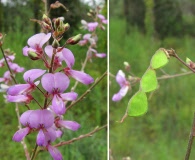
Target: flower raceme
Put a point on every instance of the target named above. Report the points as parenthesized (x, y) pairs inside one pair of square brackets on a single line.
[(47, 121), (124, 84)]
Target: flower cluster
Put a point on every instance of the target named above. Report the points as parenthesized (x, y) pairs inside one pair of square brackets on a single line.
[(6, 80), (52, 82), (91, 38)]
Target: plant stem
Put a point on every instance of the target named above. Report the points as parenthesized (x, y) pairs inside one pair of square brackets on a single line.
[(174, 54), (34, 152), (81, 136), (191, 138)]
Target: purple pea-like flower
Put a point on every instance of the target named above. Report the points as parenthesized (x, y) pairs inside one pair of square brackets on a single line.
[(21, 92), (92, 52), (124, 84), (36, 43), (6, 77), (24, 120), (42, 120), (55, 84), (91, 26), (102, 18)]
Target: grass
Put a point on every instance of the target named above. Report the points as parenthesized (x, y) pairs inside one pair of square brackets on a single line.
[(90, 113), (163, 132)]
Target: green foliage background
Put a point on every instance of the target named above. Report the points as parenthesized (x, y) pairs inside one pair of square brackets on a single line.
[(163, 132), (90, 113)]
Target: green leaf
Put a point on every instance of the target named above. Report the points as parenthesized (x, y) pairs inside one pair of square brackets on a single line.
[(149, 81), (138, 104), (159, 59)]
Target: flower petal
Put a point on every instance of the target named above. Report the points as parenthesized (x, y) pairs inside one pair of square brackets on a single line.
[(117, 97), (100, 55), (54, 152), (20, 134), (55, 81), (18, 89), (120, 78), (41, 139), (41, 118), (24, 118), (58, 105), (30, 75), (72, 125), (49, 51), (38, 40), (71, 96), (19, 98), (81, 77), (68, 57)]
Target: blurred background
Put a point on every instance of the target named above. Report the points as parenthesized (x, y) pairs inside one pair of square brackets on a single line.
[(137, 29), (15, 22)]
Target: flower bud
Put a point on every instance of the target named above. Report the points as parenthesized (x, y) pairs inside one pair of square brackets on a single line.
[(57, 23), (74, 40), (127, 66), (33, 55), (46, 26), (190, 63), (66, 27), (55, 44), (46, 19)]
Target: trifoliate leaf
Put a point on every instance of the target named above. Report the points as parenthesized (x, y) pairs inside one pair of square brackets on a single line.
[(149, 81), (138, 104), (159, 59)]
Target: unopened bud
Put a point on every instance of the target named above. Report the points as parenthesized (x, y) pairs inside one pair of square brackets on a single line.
[(55, 44), (46, 19), (74, 40), (190, 63), (66, 27), (57, 23), (89, 14), (46, 26), (33, 55), (127, 66)]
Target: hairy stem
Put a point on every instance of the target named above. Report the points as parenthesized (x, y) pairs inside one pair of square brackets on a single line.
[(81, 136), (191, 138)]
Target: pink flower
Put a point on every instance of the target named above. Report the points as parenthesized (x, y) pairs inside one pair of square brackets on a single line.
[(92, 52), (6, 78), (36, 43), (124, 84), (55, 84), (91, 26), (102, 18), (21, 92)]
